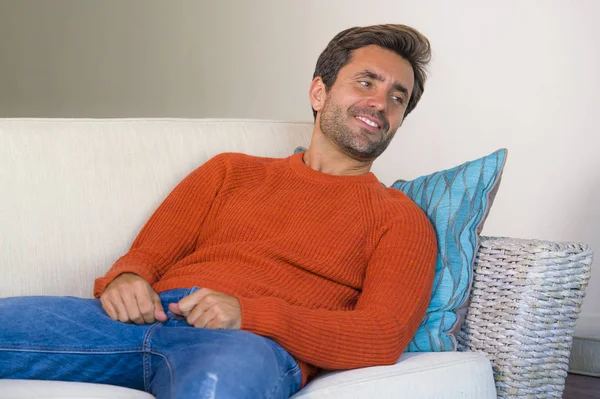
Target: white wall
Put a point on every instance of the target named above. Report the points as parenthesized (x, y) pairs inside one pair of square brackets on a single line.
[(517, 74)]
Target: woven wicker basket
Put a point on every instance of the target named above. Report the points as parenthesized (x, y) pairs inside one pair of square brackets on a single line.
[(525, 299)]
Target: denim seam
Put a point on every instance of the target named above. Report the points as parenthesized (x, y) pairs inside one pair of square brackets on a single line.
[(147, 355), (169, 366), (147, 360), (281, 377), (73, 351)]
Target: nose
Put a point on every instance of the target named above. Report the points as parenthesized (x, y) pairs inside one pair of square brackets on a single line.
[(378, 100)]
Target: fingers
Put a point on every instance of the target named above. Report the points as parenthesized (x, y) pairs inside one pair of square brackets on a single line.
[(201, 315), (187, 304), (113, 305), (145, 306), (173, 307), (108, 308), (215, 318), (218, 323), (131, 299), (159, 313), (120, 308), (206, 308)]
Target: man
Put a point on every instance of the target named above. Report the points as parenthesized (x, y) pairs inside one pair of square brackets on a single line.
[(254, 272)]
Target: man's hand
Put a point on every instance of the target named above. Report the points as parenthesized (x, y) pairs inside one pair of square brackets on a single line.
[(206, 308), (129, 298)]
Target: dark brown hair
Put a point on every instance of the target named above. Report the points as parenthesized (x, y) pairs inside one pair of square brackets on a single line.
[(403, 40)]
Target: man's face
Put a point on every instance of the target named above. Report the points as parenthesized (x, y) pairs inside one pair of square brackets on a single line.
[(366, 104)]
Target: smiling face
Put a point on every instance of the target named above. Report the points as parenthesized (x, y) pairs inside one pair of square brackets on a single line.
[(365, 106)]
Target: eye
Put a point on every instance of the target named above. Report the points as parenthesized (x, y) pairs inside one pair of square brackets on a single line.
[(365, 83), (398, 100)]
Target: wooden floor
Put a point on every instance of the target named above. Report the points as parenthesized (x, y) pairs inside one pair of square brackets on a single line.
[(582, 387)]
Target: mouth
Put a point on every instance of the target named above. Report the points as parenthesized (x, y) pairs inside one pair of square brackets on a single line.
[(369, 123)]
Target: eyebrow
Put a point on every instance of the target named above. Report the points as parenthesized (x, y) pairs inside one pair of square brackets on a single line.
[(375, 76)]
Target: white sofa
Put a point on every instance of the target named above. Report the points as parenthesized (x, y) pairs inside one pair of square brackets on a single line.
[(75, 192)]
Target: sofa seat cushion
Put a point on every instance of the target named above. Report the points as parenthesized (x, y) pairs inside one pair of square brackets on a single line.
[(416, 375), (21, 389)]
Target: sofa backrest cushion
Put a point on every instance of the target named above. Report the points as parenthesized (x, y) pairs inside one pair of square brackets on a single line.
[(74, 193)]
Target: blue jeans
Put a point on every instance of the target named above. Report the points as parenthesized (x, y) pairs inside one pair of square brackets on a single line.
[(72, 339)]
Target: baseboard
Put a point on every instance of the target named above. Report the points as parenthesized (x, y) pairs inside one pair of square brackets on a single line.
[(585, 353)]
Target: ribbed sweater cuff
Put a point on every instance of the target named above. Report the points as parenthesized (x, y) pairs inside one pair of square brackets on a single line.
[(126, 264), (261, 316)]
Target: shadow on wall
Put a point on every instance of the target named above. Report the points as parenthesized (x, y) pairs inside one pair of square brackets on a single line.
[(584, 226)]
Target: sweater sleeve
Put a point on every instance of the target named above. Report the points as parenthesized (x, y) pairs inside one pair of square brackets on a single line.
[(396, 293), (171, 232)]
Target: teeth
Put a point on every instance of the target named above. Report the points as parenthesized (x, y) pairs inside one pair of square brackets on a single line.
[(367, 121)]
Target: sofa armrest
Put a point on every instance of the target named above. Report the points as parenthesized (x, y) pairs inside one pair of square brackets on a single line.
[(525, 299)]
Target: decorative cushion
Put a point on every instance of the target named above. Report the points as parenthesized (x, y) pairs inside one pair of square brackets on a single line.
[(457, 201)]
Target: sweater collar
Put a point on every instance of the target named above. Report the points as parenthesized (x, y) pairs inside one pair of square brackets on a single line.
[(298, 166)]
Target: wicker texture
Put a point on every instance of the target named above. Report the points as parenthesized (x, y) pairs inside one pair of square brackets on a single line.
[(526, 297)]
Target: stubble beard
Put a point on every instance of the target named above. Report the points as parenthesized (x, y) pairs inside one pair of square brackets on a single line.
[(357, 143)]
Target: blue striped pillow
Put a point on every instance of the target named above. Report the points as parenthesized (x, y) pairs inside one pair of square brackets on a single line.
[(457, 202)]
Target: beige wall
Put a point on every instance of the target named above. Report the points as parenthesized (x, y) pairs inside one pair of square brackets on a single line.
[(516, 74)]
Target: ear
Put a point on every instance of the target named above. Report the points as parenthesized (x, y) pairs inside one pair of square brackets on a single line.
[(317, 93)]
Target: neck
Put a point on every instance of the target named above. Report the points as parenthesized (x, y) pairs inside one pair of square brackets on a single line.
[(325, 156)]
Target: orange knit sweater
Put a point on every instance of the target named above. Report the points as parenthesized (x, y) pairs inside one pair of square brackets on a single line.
[(336, 269)]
